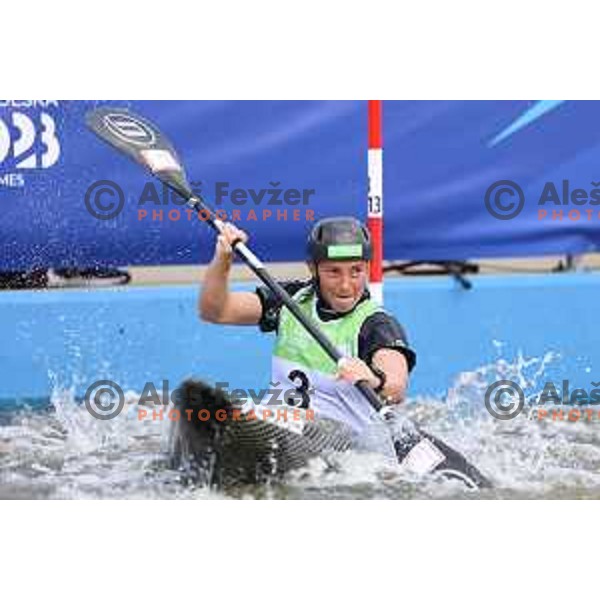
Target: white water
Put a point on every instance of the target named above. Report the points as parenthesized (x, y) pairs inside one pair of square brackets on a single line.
[(65, 453)]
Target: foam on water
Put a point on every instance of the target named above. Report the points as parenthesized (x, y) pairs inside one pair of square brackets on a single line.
[(63, 452)]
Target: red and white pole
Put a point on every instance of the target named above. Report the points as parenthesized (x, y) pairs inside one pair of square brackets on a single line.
[(375, 220)]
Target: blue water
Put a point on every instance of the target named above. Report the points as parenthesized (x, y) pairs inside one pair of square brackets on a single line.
[(526, 328), (62, 452)]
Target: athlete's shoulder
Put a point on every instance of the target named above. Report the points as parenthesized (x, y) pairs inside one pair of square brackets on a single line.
[(380, 330), (271, 304)]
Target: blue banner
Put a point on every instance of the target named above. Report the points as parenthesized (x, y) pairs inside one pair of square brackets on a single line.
[(461, 179)]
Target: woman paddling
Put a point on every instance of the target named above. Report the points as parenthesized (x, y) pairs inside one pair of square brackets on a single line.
[(337, 298)]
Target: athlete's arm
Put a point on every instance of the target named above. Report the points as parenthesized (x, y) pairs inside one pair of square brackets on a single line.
[(394, 366), (216, 304), (382, 346), (387, 366)]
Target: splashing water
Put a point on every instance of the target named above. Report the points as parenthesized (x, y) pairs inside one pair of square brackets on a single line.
[(62, 452)]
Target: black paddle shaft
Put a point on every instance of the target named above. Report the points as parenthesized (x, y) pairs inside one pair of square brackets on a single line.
[(142, 141), (257, 267)]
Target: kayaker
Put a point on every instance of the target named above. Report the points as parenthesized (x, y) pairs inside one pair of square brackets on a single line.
[(336, 297)]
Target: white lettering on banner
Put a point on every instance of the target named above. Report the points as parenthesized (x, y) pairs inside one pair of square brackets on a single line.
[(23, 142), (28, 103), (12, 180), (50, 141), (4, 141), (26, 139)]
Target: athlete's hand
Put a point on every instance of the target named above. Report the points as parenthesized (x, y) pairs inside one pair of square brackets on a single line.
[(228, 235), (354, 369)]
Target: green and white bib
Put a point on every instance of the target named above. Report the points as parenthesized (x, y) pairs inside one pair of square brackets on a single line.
[(300, 362)]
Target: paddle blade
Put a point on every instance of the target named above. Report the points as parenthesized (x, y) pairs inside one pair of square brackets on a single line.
[(142, 141)]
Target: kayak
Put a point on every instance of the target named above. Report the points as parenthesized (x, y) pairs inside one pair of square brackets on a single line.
[(230, 448), (219, 443)]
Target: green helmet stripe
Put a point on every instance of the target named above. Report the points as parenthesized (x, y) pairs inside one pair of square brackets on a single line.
[(345, 251)]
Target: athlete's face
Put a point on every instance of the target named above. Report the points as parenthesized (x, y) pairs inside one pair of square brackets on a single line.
[(342, 283)]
